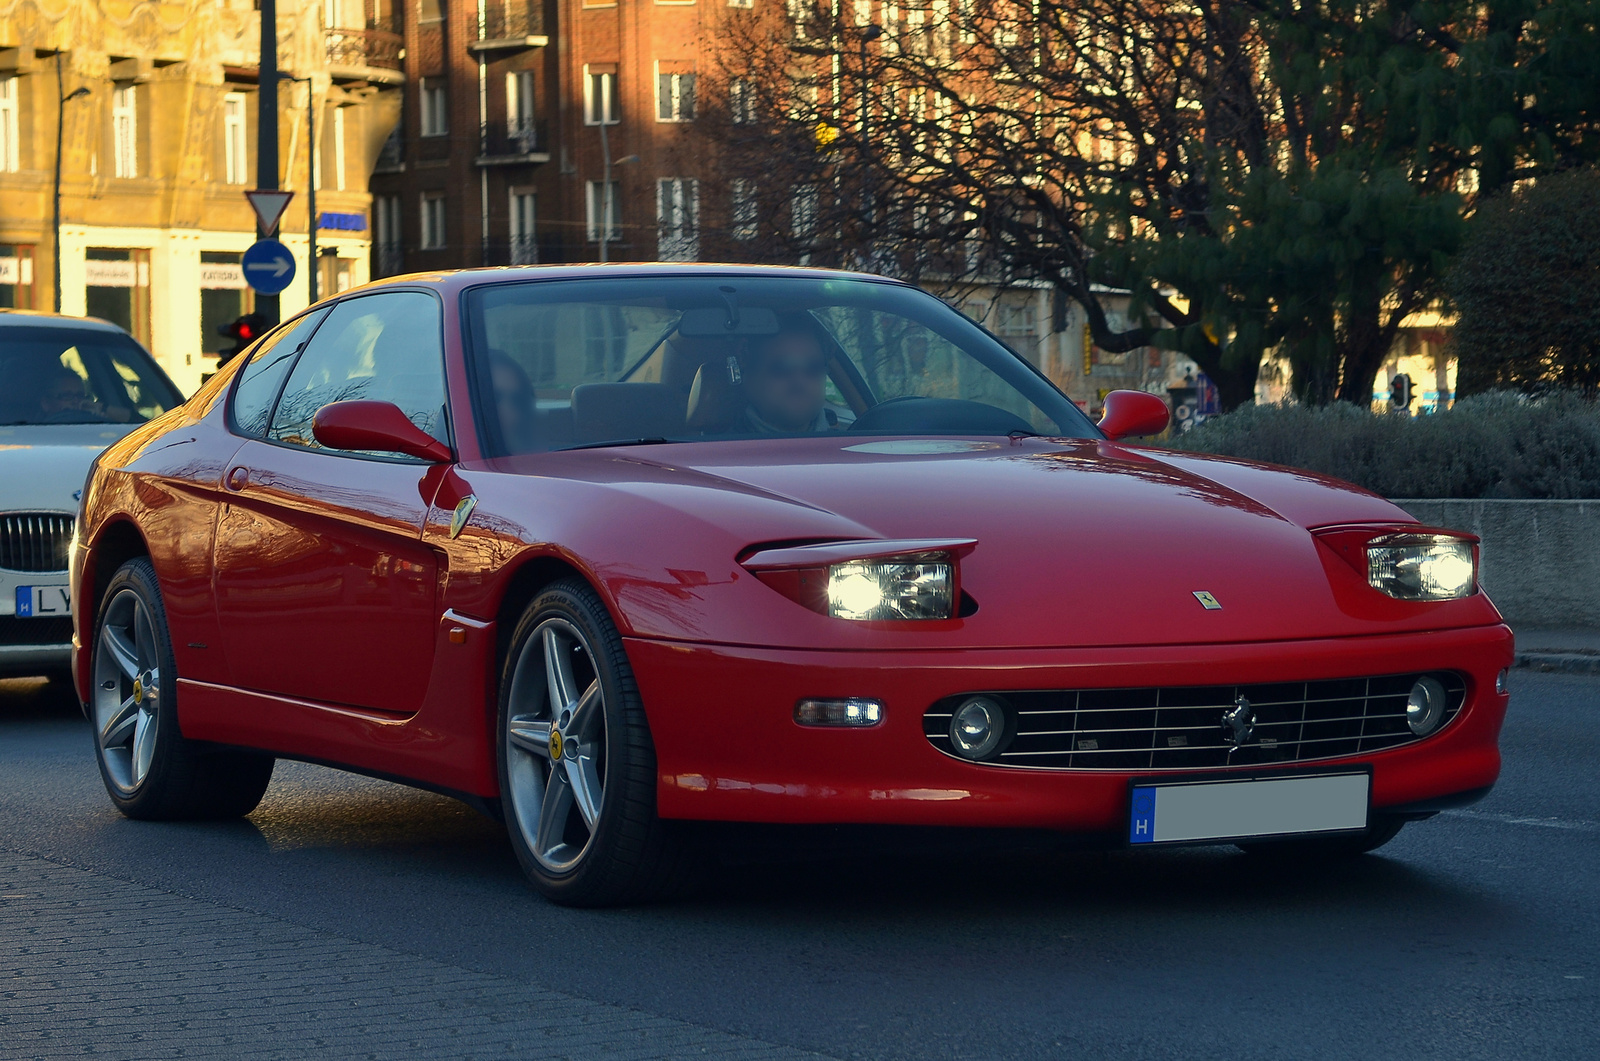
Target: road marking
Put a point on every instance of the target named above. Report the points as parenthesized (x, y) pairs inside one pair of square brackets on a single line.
[(1512, 819)]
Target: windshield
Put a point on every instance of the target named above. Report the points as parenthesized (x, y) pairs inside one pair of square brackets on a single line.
[(569, 363), (73, 375)]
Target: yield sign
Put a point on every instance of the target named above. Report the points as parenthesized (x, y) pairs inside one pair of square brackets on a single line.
[(269, 207)]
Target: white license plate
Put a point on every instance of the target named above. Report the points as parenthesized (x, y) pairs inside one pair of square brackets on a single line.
[(42, 602), (1202, 810)]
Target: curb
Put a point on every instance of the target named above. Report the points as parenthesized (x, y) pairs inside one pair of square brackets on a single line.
[(1561, 662)]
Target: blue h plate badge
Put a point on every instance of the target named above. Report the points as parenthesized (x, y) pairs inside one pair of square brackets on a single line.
[(1142, 822), (24, 602)]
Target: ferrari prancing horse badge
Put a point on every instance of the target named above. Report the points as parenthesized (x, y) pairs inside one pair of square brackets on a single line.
[(463, 512)]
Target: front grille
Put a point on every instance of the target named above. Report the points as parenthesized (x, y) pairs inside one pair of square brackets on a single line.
[(55, 631), (1182, 728), (34, 541)]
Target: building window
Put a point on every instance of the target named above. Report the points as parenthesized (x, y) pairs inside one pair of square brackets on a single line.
[(10, 138), (741, 3), (596, 210), (386, 218), (435, 116), (16, 277), (236, 159), (117, 288), (519, 102), (678, 219), (430, 10), (674, 95), (224, 297), (800, 14), (744, 208), (125, 131), (523, 249), (432, 222), (600, 96), (741, 101), (338, 148)]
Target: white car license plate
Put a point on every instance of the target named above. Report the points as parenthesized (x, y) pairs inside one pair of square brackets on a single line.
[(40, 602), (1204, 810)]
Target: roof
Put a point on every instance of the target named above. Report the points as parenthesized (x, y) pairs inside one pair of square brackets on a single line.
[(461, 278), (33, 318)]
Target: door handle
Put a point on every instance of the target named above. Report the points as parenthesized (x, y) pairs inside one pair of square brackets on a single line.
[(238, 478)]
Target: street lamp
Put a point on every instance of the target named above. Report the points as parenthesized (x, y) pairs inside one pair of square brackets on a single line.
[(61, 117), (311, 184)]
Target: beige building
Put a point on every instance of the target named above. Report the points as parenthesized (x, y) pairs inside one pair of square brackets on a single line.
[(159, 146)]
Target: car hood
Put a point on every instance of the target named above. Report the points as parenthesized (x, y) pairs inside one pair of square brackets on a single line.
[(1079, 542), (42, 467)]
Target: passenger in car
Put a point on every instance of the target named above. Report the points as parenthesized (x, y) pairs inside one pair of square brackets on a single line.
[(513, 398), (784, 382)]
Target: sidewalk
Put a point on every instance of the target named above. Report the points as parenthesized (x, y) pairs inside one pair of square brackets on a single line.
[(1573, 650)]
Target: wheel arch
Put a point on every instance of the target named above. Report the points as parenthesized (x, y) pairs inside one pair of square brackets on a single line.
[(119, 541)]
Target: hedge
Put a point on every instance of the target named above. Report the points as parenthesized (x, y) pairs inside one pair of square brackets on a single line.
[(1498, 444)]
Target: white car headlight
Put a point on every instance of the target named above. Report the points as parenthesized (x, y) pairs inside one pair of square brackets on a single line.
[(1425, 567), (899, 588)]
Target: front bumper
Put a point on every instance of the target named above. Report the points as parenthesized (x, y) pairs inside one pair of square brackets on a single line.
[(728, 748), (34, 659)]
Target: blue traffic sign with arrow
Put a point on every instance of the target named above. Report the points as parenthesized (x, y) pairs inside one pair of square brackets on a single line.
[(268, 266)]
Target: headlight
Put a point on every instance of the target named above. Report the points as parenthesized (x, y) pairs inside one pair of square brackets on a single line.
[(910, 588), (1422, 567)]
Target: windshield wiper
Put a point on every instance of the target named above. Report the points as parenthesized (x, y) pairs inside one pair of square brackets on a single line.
[(654, 441)]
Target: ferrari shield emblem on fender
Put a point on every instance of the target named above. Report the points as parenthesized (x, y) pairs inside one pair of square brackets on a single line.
[(1207, 601), (463, 512)]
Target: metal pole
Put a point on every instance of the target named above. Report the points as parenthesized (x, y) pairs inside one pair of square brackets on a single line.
[(605, 189), (311, 189), (61, 117), (267, 130)]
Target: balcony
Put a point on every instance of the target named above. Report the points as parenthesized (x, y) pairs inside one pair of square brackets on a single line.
[(365, 55), (369, 49), (513, 144), (510, 25)]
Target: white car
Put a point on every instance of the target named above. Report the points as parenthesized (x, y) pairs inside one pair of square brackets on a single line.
[(69, 387)]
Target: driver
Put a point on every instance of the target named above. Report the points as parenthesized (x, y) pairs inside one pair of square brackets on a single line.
[(784, 382)]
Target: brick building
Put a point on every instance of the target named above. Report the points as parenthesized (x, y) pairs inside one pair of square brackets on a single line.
[(511, 109)]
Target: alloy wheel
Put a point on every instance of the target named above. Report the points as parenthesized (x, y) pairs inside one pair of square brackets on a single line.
[(127, 690), (555, 745)]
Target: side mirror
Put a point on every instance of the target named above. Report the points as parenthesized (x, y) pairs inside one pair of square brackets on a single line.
[(1132, 413), (378, 426)]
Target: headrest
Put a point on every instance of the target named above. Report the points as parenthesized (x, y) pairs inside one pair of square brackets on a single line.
[(602, 412)]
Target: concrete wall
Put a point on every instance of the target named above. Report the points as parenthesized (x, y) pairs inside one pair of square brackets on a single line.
[(1540, 559)]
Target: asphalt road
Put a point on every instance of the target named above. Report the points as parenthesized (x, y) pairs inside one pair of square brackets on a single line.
[(351, 917)]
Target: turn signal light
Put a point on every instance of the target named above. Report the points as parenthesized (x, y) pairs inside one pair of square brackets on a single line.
[(850, 712)]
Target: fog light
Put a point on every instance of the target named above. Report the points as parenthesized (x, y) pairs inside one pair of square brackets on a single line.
[(1425, 706), (851, 712), (977, 727)]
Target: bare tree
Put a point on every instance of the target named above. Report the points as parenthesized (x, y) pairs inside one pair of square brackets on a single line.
[(1259, 175)]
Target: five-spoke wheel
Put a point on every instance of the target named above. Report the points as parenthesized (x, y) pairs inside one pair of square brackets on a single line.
[(577, 767), (150, 769), (127, 690), (556, 744)]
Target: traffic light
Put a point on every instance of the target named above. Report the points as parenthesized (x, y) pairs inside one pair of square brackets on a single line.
[(243, 331), (1400, 392)]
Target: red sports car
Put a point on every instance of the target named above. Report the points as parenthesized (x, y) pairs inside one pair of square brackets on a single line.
[(599, 549)]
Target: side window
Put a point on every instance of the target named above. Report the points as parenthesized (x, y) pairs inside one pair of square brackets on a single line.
[(261, 379), (383, 347)]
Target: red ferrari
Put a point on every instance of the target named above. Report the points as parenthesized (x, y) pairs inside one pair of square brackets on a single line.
[(602, 549)]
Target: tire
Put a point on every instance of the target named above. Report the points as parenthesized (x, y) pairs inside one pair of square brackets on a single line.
[(578, 783), (151, 771), (1380, 832)]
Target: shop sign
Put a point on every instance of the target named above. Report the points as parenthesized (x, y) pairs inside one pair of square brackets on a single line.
[(222, 276), (115, 274)]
